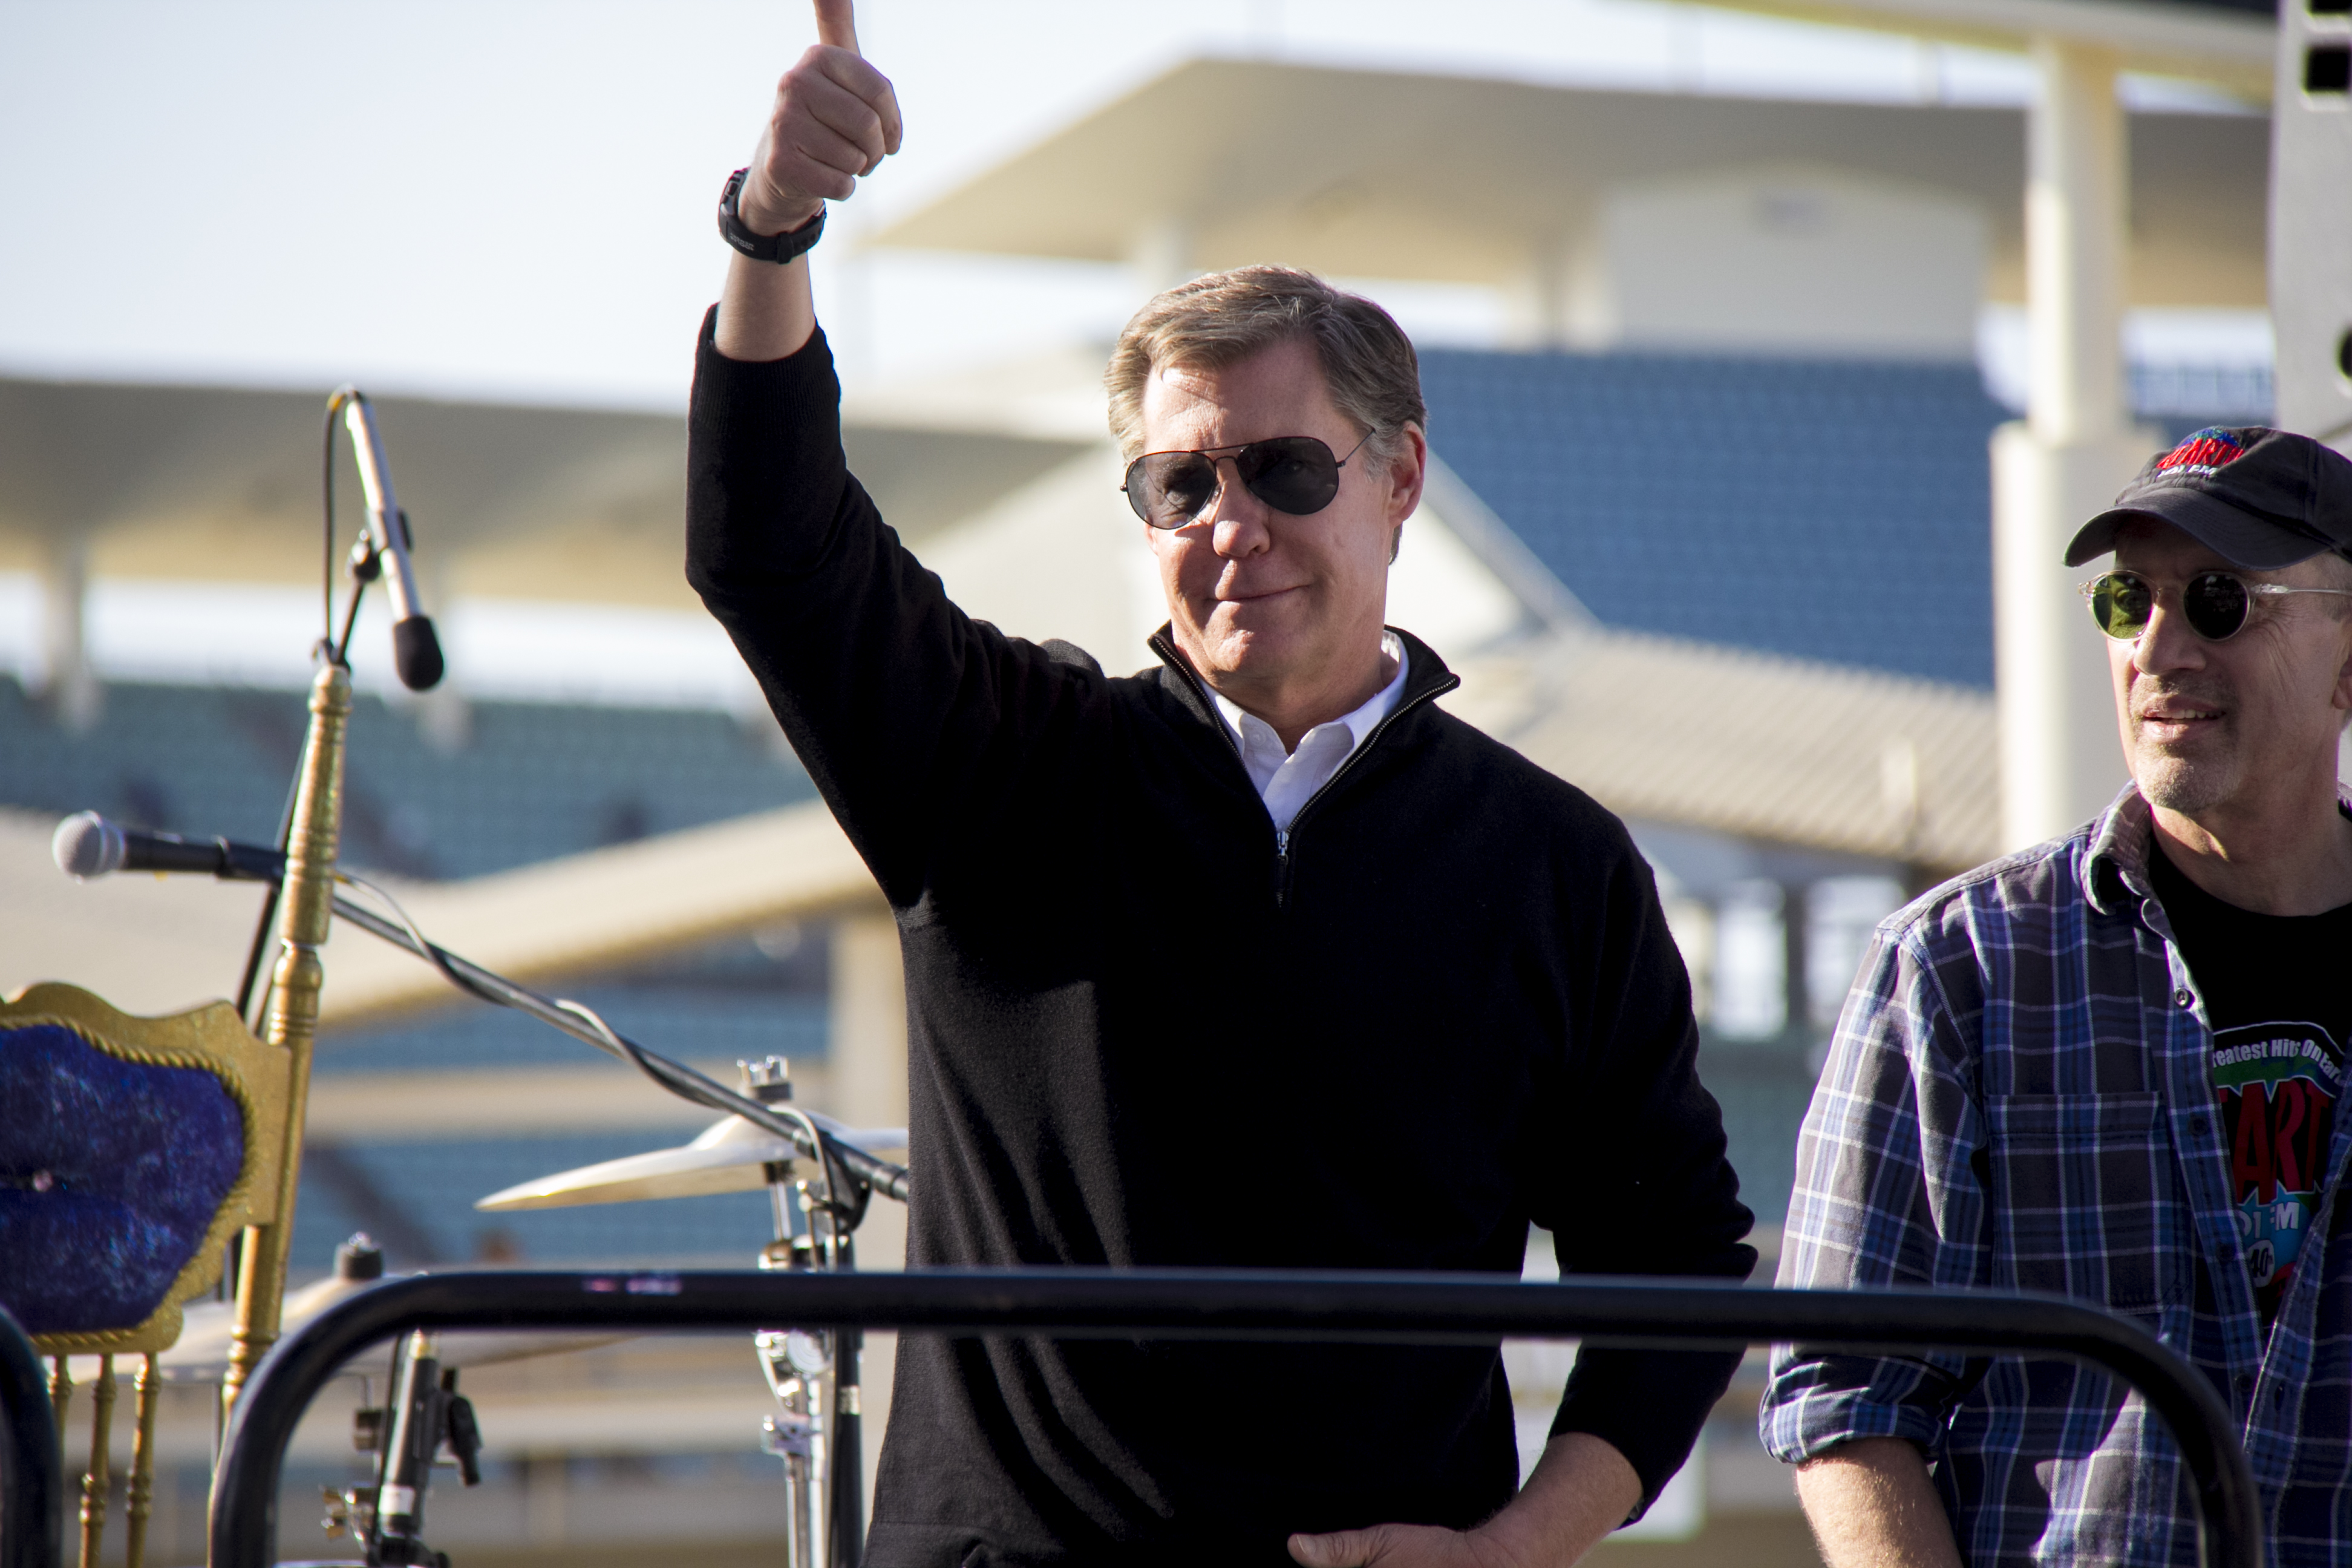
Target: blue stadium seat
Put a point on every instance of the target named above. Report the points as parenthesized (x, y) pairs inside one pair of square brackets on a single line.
[(1833, 509), (1790, 506), (533, 781)]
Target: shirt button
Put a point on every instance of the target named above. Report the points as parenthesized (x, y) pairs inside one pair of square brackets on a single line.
[(2183, 998), (2198, 1126), (2245, 1382)]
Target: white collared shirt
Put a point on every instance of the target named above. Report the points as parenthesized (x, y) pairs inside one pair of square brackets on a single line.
[(1287, 782)]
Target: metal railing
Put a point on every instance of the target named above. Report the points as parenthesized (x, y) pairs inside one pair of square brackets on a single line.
[(1071, 1303), (32, 1516)]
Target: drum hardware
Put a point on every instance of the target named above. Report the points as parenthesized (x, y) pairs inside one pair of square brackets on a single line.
[(367, 1429), (202, 1354), (424, 1403), (812, 1374), (426, 1414), (423, 1418), (730, 1156), (351, 1511)]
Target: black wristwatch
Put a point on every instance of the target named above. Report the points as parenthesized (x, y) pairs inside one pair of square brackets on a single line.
[(776, 248)]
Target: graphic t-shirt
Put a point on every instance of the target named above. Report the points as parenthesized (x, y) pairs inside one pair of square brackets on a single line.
[(2278, 992)]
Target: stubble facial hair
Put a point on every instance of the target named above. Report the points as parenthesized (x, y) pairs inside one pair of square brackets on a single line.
[(2187, 784)]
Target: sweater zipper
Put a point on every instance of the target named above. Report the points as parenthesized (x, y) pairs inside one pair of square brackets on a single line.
[(1282, 835)]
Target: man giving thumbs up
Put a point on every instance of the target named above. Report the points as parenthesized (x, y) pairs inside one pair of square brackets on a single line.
[(1428, 983)]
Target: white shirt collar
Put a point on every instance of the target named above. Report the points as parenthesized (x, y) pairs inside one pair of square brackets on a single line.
[(1287, 781)]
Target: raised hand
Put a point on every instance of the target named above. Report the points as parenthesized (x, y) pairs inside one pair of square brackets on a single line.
[(836, 118)]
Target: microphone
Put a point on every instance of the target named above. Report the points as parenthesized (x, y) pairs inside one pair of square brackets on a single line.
[(87, 845), (415, 650)]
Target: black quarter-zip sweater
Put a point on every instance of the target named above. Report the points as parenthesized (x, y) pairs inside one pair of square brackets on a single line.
[(1141, 1036)]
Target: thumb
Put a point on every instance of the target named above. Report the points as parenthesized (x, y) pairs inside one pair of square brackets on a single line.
[(1340, 1549), (836, 24)]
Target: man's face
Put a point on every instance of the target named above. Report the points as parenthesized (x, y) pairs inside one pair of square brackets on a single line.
[(1264, 601), (2208, 726)]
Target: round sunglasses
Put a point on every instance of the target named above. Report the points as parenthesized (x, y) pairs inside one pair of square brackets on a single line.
[(2214, 604), (1294, 474)]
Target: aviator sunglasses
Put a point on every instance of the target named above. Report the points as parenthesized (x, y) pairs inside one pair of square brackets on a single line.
[(2214, 604), (1294, 474)]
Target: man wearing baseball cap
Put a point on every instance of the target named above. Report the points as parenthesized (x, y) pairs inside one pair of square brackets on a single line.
[(2108, 1066)]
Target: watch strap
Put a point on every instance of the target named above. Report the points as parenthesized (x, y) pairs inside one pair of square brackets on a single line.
[(776, 248)]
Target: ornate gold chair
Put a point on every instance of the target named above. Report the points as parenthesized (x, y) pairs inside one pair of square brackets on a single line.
[(132, 1150)]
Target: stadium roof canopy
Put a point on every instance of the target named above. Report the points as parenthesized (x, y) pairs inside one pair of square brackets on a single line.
[(2230, 42), (222, 484), (1408, 176)]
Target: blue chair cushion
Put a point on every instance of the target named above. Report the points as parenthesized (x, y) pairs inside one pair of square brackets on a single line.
[(111, 1173)]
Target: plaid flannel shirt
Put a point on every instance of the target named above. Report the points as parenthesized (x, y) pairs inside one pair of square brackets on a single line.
[(2018, 1097)]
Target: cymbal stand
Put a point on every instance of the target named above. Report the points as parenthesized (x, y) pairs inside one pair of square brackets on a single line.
[(423, 1414), (813, 1373)]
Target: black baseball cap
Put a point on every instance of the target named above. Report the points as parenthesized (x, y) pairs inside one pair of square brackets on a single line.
[(2261, 498)]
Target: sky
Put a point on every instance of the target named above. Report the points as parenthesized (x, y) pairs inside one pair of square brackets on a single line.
[(512, 199)]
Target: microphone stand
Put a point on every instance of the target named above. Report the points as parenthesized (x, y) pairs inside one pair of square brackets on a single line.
[(581, 1023), (290, 1015), (301, 904)]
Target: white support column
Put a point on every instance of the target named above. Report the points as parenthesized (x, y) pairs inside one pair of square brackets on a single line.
[(2311, 228), (869, 1023), (1159, 256), (2076, 183), (869, 1089), (445, 716), (2061, 758), (1537, 310), (69, 685)]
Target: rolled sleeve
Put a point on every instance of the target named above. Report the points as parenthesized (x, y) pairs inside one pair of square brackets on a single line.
[(1816, 1402), (1887, 1193)]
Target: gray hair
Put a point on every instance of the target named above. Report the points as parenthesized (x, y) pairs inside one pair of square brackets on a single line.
[(1223, 318)]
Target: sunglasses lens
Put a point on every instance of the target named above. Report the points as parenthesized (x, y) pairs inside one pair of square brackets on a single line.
[(1295, 474), (1169, 489), (2214, 606), (2121, 603)]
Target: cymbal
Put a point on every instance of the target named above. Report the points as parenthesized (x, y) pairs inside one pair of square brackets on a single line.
[(727, 1157), (201, 1354)]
